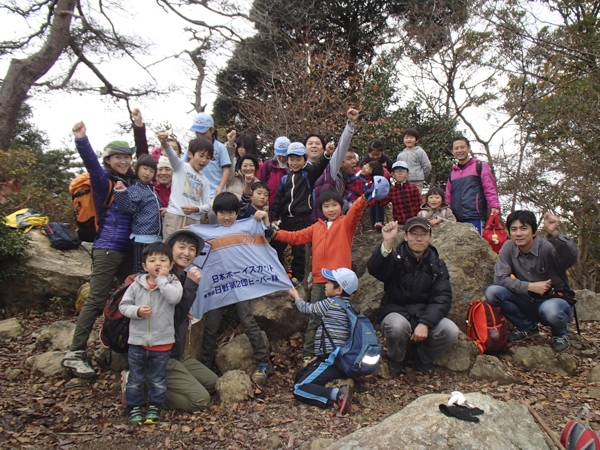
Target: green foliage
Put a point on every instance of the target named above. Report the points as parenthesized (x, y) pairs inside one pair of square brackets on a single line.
[(13, 247)]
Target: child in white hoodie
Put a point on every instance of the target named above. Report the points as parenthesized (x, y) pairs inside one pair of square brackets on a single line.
[(435, 209)]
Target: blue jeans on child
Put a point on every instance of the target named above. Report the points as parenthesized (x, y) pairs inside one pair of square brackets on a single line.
[(146, 366), (376, 214), (525, 312)]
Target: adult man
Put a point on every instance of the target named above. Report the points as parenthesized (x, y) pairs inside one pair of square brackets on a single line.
[(471, 188), (530, 279), (417, 295)]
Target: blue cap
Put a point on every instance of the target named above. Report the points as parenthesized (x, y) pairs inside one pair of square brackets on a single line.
[(344, 277), (281, 145), (202, 123), (400, 165), (296, 148), (381, 187)]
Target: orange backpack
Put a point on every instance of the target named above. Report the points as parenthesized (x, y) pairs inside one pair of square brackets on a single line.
[(486, 326), (87, 216)]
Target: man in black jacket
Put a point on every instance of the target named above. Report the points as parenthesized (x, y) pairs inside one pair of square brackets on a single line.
[(417, 295)]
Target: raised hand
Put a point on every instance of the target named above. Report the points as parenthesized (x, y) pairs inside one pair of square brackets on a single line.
[(136, 115), (231, 136), (352, 115), (389, 233), (195, 275), (162, 138), (79, 130), (551, 223), (120, 186)]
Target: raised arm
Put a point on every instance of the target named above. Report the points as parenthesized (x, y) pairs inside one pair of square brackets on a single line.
[(176, 163), (344, 144), (139, 133)]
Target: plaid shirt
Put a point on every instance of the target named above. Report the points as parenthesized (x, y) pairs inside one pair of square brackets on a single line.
[(406, 200)]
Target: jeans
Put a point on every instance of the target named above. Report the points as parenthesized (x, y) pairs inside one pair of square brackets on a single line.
[(477, 223), (376, 214), (525, 312), (397, 332), (146, 366)]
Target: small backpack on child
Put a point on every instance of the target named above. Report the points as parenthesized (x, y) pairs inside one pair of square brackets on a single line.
[(578, 435), (87, 214), (487, 327), (115, 329), (360, 355), (61, 236)]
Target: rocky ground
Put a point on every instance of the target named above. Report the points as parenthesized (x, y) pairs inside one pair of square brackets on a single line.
[(57, 413)]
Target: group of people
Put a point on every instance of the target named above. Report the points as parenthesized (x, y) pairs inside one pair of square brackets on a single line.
[(310, 192)]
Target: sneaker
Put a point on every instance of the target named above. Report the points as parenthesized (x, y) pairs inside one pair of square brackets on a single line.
[(519, 335), (152, 415), (262, 372), (124, 378), (135, 415), (426, 368), (295, 282), (343, 399), (78, 364), (306, 360), (560, 343)]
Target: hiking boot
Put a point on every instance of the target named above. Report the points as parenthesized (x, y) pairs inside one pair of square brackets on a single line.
[(262, 372), (560, 343), (426, 368), (124, 378), (395, 368), (78, 364), (343, 399), (152, 415), (135, 416), (520, 335)]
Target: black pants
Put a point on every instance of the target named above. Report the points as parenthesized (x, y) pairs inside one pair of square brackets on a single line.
[(298, 251), (311, 380)]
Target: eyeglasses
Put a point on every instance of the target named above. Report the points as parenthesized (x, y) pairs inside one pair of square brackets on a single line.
[(418, 235), (400, 170)]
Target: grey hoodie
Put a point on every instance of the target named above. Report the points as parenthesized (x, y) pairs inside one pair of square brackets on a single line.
[(158, 328), (417, 162)]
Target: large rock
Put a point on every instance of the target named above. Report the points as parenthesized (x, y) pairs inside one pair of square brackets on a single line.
[(588, 305), (233, 387), (490, 368), (52, 274), (459, 357), (544, 359), (421, 426), (46, 365), (10, 328), (108, 359), (237, 355), (594, 376), (277, 315), (57, 336)]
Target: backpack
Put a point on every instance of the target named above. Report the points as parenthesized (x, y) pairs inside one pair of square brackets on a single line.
[(115, 329), (26, 219), (87, 215), (578, 435), (360, 355), (487, 327), (61, 236)]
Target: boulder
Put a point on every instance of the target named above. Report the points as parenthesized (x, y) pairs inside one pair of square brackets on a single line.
[(490, 368), (420, 425), (588, 305), (367, 298), (193, 341), (594, 375), (46, 365), (459, 357), (237, 355), (57, 336), (10, 328), (233, 387), (52, 274), (118, 361), (277, 315), (317, 444), (544, 359)]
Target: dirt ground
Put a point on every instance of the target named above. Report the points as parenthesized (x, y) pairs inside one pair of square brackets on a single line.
[(41, 413)]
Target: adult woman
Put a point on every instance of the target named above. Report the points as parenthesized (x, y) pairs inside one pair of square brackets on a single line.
[(246, 165)]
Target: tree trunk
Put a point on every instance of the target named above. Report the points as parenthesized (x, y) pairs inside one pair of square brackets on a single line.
[(23, 73)]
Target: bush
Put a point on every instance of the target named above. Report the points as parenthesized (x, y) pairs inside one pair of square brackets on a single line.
[(13, 247)]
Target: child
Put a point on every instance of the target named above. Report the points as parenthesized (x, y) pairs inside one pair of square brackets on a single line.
[(150, 303), (405, 197), (375, 153), (311, 380), (362, 180), (140, 200), (254, 198), (294, 202), (332, 247), (226, 207), (416, 158), (273, 170), (190, 190), (435, 209)]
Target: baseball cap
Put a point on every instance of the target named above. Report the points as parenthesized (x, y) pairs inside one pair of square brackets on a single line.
[(381, 187), (117, 147), (281, 145), (190, 234), (344, 277), (400, 165), (296, 148), (202, 123), (163, 162), (417, 221)]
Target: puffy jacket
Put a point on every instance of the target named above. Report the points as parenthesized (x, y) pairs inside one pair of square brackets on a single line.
[(271, 173), (295, 196), (115, 227), (419, 290), (140, 200), (470, 195)]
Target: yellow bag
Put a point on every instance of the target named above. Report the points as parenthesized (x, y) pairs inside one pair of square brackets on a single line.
[(82, 295), (26, 219)]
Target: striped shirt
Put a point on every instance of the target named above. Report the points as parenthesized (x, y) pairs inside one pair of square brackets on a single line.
[(334, 318)]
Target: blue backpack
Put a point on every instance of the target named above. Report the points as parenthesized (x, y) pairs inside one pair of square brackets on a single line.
[(360, 355)]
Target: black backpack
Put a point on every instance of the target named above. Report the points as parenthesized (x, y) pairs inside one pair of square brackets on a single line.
[(115, 329), (61, 236)]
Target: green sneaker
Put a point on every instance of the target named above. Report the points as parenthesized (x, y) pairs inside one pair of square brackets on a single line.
[(152, 415), (135, 416)]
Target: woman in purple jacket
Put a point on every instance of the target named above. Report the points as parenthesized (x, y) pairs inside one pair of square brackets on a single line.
[(111, 251)]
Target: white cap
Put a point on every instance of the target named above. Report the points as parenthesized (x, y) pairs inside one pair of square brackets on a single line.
[(344, 277)]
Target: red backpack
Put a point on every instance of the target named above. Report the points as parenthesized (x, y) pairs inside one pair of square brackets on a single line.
[(578, 435), (487, 327)]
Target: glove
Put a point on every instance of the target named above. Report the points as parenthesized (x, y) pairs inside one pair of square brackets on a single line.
[(461, 412), (270, 232), (369, 192)]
